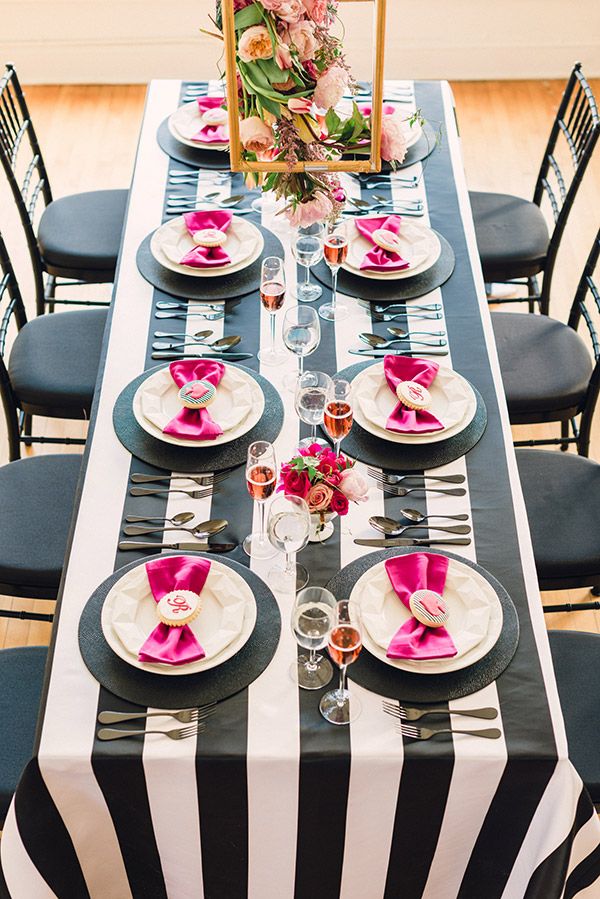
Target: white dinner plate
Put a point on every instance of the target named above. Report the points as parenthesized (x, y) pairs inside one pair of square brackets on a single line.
[(453, 402), (222, 628), (475, 621), (419, 246), (171, 242), (238, 406), (187, 121)]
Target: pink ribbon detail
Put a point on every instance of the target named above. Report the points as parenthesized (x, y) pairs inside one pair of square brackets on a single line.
[(210, 134), (195, 424), (207, 257), (378, 259), (404, 368)]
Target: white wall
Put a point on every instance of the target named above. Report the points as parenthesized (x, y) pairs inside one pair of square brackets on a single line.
[(88, 41)]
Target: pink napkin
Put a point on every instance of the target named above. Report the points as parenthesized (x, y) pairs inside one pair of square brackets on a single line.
[(378, 259), (174, 645), (418, 571), (195, 424), (404, 368), (207, 257), (209, 134)]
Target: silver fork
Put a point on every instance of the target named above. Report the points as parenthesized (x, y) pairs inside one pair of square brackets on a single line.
[(156, 491), (185, 716), (180, 733), (391, 479), (388, 317), (426, 733), (404, 491), (202, 480), (405, 713)]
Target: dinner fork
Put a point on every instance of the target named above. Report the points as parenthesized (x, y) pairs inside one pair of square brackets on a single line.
[(385, 317), (404, 491), (406, 713), (157, 491), (426, 307), (391, 479), (426, 733), (203, 480), (185, 716), (180, 733)]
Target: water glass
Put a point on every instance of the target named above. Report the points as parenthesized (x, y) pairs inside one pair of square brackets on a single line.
[(344, 646), (313, 616), (307, 247), (312, 392), (301, 335), (272, 296), (288, 528)]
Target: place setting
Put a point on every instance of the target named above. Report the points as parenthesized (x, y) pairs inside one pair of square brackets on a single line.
[(197, 132)]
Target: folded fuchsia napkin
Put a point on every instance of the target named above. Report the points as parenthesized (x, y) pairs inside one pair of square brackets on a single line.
[(195, 424), (378, 259), (209, 134), (206, 257), (405, 368), (407, 574), (174, 645)]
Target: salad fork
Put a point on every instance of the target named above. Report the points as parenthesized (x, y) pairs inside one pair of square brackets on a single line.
[(185, 716), (180, 733), (202, 480), (159, 491), (426, 733), (404, 491), (392, 479), (405, 713)]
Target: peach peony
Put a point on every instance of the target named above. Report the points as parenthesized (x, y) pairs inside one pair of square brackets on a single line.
[(302, 35), (354, 485), (316, 9), (393, 139), (311, 211), (318, 497), (255, 43), (330, 87), (255, 135)]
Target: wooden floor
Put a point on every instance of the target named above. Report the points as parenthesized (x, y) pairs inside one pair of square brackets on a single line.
[(89, 136)]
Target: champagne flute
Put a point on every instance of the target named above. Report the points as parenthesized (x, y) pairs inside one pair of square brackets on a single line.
[(288, 528), (261, 479), (301, 335), (345, 644), (338, 415), (335, 250), (312, 391), (307, 247), (272, 296), (313, 616)]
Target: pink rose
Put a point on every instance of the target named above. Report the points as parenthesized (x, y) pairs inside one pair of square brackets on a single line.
[(354, 485), (339, 195), (316, 9), (330, 87), (255, 135), (311, 69), (287, 10), (393, 139), (255, 43), (318, 498), (296, 483), (334, 478), (310, 211), (339, 503), (302, 35), (299, 105)]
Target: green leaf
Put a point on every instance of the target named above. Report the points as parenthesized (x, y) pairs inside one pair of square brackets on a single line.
[(333, 121), (250, 15)]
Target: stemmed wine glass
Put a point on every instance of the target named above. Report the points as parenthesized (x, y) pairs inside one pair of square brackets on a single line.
[(345, 644), (312, 391), (261, 479), (335, 250), (313, 616), (288, 527), (272, 295), (301, 335), (338, 415), (307, 248)]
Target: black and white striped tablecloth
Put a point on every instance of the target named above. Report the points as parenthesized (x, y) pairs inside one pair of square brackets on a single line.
[(272, 802)]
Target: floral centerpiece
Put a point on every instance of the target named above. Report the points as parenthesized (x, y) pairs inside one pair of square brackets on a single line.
[(291, 75), (328, 483)]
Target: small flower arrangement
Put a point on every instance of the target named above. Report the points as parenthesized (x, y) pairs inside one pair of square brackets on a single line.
[(327, 482)]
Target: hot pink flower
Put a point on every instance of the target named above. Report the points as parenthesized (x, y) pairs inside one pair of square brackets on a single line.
[(311, 68), (296, 483), (318, 498), (334, 478), (255, 135), (339, 503), (310, 211), (393, 139), (330, 87), (316, 9), (339, 195), (354, 485), (255, 43), (302, 35), (300, 105)]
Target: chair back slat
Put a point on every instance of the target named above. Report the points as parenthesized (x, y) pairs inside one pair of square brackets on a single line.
[(14, 311), (586, 308)]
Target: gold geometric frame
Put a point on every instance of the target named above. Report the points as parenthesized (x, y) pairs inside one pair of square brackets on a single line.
[(372, 164)]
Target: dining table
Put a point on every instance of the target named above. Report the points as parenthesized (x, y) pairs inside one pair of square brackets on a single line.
[(269, 800)]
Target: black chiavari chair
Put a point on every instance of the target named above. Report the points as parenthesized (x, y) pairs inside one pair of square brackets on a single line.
[(78, 236), (514, 243)]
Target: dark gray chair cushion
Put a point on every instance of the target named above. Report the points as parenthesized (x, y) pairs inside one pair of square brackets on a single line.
[(512, 235), (83, 231), (21, 679), (545, 365), (562, 496), (576, 658), (54, 361), (36, 505)]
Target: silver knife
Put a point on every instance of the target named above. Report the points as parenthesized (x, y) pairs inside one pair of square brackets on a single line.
[(378, 354), (126, 545), (413, 541), (233, 357)]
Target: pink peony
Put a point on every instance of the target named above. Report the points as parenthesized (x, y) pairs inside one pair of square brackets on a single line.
[(330, 87), (255, 135), (287, 10), (393, 139), (299, 105), (354, 485), (311, 211), (316, 9), (339, 503), (255, 43), (302, 35), (296, 483), (318, 498)]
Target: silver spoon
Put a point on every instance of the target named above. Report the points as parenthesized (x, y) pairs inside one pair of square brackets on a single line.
[(223, 344), (417, 517), (392, 528), (204, 529), (199, 335), (380, 343), (180, 518), (400, 332)]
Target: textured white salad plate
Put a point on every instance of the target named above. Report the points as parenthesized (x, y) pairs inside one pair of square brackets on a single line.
[(419, 246), (172, 241), (187, 121)]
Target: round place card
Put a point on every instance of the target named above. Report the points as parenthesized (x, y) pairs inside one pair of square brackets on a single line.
[(429, 608), (387, 240), (197, 394), (413, 395), (178, 607), (209, 237)]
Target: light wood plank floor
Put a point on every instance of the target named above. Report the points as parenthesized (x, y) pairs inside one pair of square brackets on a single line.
[(89, 135)]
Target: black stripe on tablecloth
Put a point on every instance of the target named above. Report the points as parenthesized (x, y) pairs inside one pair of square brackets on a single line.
[(525, 713), (584, 875)]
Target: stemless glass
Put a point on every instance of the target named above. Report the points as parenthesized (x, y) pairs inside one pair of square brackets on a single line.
[(301, 335), (345, 644), (313, 618), (272, 295), (338, 415), (335, 250), (261, 479), (288, 527), (312, 392), (307, 247)]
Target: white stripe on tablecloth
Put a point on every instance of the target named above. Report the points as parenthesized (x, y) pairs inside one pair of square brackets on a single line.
[(22, 877), (584, 843), (69, 723)]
